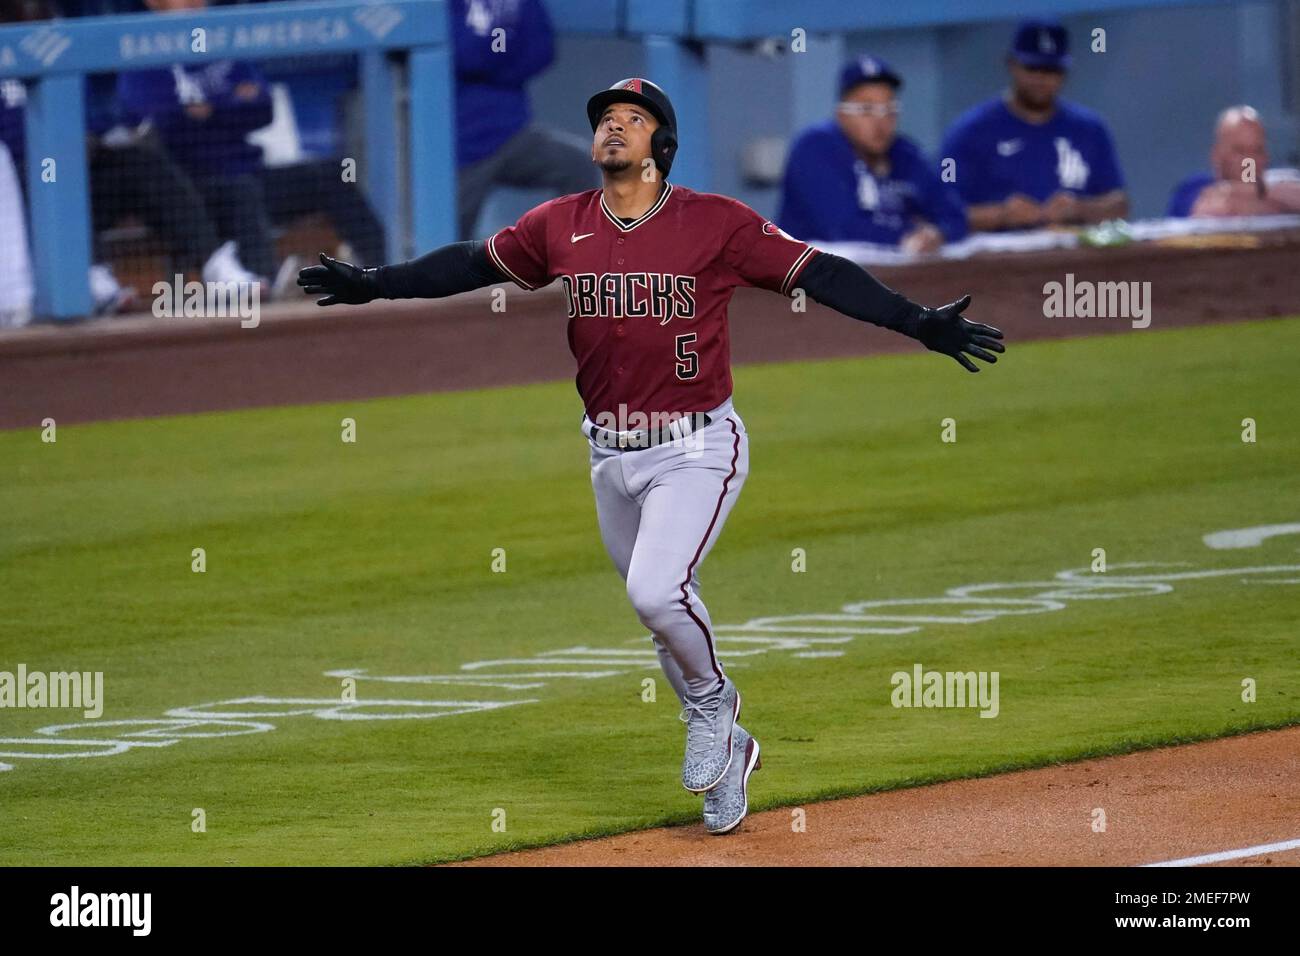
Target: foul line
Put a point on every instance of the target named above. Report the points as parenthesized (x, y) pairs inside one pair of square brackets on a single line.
[(1231, 854)]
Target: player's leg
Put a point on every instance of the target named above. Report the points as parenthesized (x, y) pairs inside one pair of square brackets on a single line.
[(473, 184), (316, 186), (543, 158), (238, 211), (683, 511), (619, 516), (142, 180), (684, 505)]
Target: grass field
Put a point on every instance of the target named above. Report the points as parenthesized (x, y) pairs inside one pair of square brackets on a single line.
[(377, 555)]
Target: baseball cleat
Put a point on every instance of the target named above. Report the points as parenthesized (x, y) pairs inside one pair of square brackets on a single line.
[(710, 721), (728, 803)]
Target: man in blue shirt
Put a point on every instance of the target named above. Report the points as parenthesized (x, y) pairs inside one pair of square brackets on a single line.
[(130, 175), (854, 179), (1029, 158), (1241, 184), (203, 113), (499, 46)]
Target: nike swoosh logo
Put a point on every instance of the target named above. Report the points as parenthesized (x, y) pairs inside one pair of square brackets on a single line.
[(1009, 147), (576, 237)]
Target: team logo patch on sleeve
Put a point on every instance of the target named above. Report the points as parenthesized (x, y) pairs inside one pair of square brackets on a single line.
[(772, 229)]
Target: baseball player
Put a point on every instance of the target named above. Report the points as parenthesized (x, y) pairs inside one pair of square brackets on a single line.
[(648, 269)]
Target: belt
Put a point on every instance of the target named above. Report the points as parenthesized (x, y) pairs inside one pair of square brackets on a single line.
[(623, 441)]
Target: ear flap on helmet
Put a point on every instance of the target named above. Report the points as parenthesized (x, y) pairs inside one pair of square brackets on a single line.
[(663, 146)]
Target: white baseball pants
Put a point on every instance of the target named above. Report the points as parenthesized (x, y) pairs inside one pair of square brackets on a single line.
[(661, 510)]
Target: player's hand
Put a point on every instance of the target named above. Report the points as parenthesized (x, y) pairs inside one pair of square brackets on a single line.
[(341, 282), (944, 330)]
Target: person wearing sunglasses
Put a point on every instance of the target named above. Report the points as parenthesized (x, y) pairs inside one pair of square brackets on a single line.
[(855, 179)]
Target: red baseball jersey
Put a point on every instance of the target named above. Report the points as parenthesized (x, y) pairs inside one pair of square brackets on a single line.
[(648, 300)]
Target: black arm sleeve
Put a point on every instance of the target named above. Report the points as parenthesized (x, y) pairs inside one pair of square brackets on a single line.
[(848, 288), (453, 268)]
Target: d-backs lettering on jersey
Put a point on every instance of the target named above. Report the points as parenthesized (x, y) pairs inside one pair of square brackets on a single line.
[(647, 300), (622, 295)]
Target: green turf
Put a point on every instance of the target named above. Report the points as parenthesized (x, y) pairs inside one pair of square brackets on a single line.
[(324, 555)]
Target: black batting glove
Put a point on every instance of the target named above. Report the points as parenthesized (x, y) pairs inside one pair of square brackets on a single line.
[(944, 330), (341, 282)]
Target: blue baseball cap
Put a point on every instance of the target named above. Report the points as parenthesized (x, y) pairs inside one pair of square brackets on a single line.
[(1041, 44), (867, 69)]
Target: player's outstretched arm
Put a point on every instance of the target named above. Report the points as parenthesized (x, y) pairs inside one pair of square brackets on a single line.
[(848, 288), (453, 268)]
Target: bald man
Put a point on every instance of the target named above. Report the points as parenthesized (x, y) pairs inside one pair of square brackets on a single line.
[(1241, 183)]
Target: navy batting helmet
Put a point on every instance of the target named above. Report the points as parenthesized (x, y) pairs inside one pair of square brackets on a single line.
[(663, 141)]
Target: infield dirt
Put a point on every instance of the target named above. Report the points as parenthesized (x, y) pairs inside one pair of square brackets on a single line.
[(1158, 805)]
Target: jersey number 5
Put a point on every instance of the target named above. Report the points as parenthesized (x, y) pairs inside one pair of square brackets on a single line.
[(688, 363)]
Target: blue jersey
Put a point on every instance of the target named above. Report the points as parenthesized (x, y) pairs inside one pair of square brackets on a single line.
[(1185, 194), (830, 194), (499, 46), (217, 146), (999, 154)]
